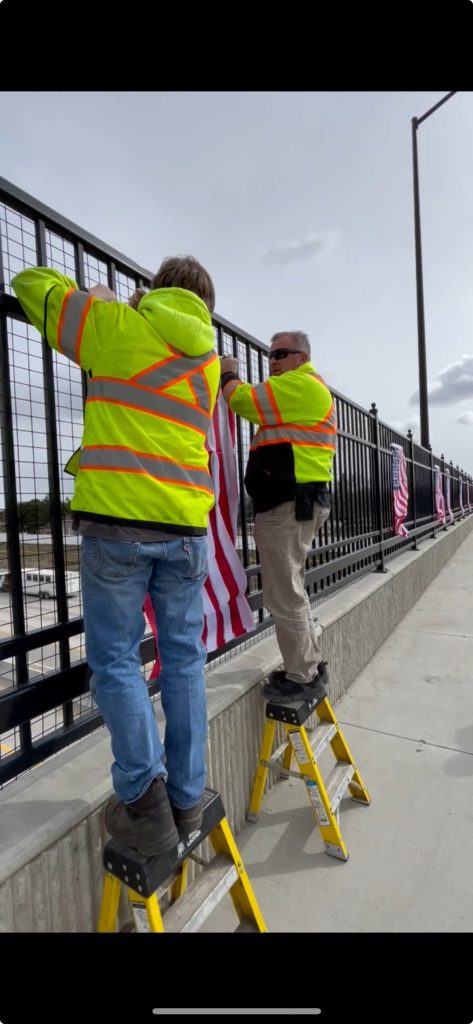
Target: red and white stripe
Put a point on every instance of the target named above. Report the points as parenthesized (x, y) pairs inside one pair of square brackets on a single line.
[(460, 500), (400, 490), (227, 612), (448, 503), (439, 498), (226, 609)]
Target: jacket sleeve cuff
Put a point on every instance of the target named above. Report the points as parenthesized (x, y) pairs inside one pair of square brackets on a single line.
[(229, 375)]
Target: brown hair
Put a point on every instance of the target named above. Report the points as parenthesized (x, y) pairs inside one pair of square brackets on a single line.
[(186, 272)]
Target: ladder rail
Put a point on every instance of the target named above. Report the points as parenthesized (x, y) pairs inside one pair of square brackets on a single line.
[(148, 880), (325, 796)]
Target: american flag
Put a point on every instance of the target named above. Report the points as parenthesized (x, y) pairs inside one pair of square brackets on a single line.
[(226, 609), (227, 612), (448, 502), (400, 490), (439, 498)]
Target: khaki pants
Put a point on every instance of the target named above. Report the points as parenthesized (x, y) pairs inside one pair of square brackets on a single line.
[(283, 543)]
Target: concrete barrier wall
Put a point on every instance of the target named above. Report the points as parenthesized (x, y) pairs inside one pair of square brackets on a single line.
[(51, 834)]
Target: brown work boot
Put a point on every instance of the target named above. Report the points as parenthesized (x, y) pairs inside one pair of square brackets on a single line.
[(146, 824)]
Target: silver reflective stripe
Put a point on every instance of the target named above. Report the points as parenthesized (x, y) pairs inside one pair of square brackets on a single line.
[(202, 393), (167, 372), (230, 387), (148, 401), (71, 323), (128, 460), (265, 404), (292, 434)]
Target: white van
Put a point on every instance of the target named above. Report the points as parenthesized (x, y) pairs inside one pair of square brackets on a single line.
[(42, 582)]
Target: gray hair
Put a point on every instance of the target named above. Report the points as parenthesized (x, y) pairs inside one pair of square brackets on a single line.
[(301, 339)]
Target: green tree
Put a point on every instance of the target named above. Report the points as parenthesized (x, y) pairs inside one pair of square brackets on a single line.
[(35, 515)]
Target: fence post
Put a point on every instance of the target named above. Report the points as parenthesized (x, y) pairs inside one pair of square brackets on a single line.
[(55, 505), (413, 485), (377, 484), (20, 675)]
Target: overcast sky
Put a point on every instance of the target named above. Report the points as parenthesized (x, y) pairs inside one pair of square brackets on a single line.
[(301, 207)]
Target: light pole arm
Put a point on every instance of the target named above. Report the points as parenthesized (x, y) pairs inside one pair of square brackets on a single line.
[(422, 355), (432, 109)]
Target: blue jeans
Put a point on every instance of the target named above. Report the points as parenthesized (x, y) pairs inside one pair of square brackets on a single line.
[(116, 576)]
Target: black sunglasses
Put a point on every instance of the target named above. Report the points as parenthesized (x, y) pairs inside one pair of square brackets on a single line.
[(283, 353)]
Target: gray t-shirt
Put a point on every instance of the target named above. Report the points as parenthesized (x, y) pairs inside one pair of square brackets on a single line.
[(131, 534)]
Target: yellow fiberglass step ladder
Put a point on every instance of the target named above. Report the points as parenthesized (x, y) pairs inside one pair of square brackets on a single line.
[(325, 796), (149, 880)]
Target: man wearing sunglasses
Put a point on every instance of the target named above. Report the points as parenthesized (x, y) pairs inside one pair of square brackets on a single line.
[(287, 476)]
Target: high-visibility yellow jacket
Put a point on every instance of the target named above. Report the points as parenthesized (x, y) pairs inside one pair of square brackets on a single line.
[(296, 437), (153, 382)]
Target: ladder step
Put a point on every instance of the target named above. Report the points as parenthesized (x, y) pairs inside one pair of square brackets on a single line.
[(190, 911), (337, 782), (323, 733), (273, 761)]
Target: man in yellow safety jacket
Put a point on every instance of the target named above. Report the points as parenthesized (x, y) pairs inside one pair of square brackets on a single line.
[(288, 475), (142, 496)]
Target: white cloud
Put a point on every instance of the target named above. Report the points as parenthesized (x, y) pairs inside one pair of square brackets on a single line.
[(454, 384), (466, 417), (411, 424), (300, 251)]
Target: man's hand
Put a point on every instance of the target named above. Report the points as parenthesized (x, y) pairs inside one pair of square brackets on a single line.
[(136, 298), (100, 291), (228, 364)]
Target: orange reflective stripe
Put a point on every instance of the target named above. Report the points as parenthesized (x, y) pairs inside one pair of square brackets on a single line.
[(155, 366), (173, 371), (121, 459), (233, 384), (71, 325), (193, 391), (61, 319), (80, 331), (208, 400), (294, 434), (257, 404), (161, 376), (311, 428), (273, 402), (193, 369), (330, 418), (144, 472), (144, 399), (305, 443)]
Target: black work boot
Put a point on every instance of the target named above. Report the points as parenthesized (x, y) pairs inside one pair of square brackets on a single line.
[(146, 824), (281, 690), (277, 676), (188, 819), (322, 672)]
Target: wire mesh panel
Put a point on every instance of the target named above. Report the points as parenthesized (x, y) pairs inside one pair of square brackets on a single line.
[(45, 700)]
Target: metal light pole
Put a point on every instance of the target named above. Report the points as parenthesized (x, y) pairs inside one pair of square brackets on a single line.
[(423, 398)]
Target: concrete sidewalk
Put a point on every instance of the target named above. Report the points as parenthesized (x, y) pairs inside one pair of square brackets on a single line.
[(408, 720)]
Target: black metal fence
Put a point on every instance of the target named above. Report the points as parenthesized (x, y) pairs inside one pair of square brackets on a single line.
[(45, 702)]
